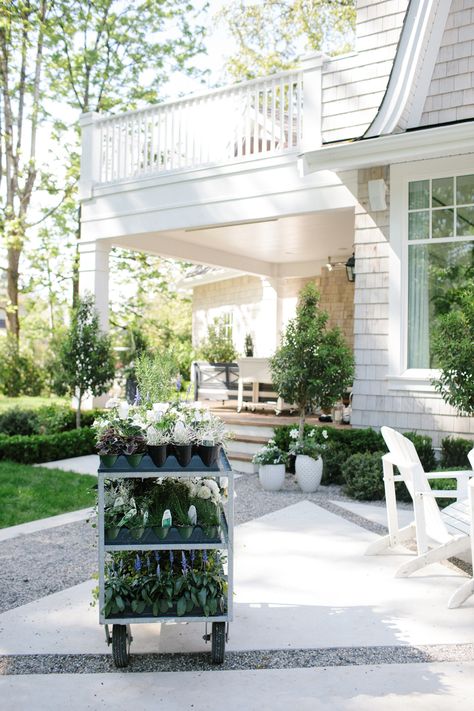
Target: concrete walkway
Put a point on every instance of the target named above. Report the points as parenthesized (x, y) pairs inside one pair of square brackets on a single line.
[(317, 625)]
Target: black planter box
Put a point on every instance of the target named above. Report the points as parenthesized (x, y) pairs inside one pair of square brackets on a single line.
[(171, 465), (199, 534)]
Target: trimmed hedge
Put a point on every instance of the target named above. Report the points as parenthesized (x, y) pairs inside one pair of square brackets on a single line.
[(49, 419), (454, 452), (46, 448)]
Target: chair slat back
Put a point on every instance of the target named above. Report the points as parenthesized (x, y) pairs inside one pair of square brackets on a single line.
[(408, 463)]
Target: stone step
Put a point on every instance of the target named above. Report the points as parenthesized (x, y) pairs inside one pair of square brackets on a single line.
[(242, 447), (242, 462), (250, 430)]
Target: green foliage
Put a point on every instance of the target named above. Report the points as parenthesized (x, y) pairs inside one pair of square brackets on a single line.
[(453, 351), (313, 365), (424, 448), (363, 475), (31, 449), (19, 374), (454, 452), (271, 35), (343, 443), (47, 419), (136, 582), (84, 361), (106, 56), (218, 346), (28, 493), (19, 422), (334, 459), (156, 376)]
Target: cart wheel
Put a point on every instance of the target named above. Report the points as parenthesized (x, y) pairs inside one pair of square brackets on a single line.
[(218, 642), (121, 639)]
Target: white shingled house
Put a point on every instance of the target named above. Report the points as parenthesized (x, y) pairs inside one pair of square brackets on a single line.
[(269, 182)]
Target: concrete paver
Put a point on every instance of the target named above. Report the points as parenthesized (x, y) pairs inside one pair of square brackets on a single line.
[(419, 687)]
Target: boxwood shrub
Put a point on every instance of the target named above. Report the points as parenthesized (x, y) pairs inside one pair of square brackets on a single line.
[(33, 449), (363, 476)]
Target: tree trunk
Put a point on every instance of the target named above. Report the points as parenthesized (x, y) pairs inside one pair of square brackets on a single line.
[(78, 410), (75, 264), (13, 320), (302, 423)]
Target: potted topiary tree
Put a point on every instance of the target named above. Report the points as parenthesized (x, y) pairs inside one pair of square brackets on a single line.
[(313, 366)]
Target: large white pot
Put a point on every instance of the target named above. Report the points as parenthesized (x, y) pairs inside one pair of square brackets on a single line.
[(272, 476), (308, 472)]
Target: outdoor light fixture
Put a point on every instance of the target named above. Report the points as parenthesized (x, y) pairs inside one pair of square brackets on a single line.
[(350, 268)]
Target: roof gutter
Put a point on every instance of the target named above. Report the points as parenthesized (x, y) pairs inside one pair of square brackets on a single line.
[(432, 142)]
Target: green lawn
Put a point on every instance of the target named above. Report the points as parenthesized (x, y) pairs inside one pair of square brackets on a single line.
[(28, 493), (31, 403)]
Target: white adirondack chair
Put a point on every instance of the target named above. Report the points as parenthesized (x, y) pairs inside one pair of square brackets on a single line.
[(440, 534)]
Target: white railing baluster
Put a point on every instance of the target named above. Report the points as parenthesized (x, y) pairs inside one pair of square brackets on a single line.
[(273, 134), (265, 111), (290, 114), (263, 116)]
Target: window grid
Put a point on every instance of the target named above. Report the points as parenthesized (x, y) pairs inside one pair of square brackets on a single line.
[(454, 207)]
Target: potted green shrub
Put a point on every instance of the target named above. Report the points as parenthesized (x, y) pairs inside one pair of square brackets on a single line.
[(313, 366), (271, 466)]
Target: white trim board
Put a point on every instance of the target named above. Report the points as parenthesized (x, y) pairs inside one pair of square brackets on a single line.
[(434, 142), (399, 376)]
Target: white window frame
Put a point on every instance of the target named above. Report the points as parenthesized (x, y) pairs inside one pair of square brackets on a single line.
[(400, 376)]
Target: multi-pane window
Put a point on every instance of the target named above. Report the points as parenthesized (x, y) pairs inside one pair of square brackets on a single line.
[(440, 255)]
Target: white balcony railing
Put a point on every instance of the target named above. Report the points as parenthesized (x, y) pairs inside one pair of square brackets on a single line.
[(258, 118)]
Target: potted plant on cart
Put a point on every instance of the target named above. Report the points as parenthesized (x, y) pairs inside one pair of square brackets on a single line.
[(271, 462), (134, 442), (157, 439), (109, 445), (182, 439), (313, 366), (211, 434)]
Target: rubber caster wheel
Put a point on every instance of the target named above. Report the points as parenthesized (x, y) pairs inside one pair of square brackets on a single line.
[(121, 639), (218, 642)]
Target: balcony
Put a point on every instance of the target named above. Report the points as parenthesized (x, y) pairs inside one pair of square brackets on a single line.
[(276, 115)]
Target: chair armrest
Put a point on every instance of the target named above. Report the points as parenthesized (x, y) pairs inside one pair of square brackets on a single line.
[(450, 475)]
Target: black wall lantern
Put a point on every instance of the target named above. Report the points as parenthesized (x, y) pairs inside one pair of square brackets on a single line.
[(350, 268)]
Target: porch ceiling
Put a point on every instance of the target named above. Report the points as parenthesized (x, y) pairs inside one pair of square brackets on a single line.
[(287, 246)]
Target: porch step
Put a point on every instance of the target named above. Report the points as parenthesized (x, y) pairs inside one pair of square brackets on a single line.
[(242, 462), (247, 444), (261, 432)]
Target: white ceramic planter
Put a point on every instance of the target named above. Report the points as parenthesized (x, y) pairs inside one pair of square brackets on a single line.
[(272, 476), (308, 472)]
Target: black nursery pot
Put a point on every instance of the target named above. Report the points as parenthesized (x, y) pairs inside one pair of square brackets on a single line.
[(209, 454), (158, 454), (183, 453)]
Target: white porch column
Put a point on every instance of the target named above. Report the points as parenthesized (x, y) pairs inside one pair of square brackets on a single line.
[(90, 154), (312, 99), (94, 276), (271, 320)]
